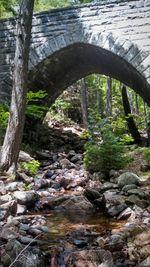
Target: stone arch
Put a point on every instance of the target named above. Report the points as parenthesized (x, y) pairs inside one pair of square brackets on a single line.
[(63, 60)]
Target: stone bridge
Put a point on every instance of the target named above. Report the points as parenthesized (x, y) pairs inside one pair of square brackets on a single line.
[(111, 37)]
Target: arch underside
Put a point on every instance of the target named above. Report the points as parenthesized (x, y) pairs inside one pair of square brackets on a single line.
[(60, 70)]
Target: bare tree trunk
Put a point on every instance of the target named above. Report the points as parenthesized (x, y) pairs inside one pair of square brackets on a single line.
[(136, 104), (99, 97), (13, 136), (84, 102), (130, 121), (109, 97)]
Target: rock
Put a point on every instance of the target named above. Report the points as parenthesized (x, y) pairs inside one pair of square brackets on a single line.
[(42, 155), (24, 227), (41, 183), (90, 258), (77, 204), (132, 200), (5, 198), (48, 174), (107, 186), (26, 240), (21, 209), (12, 186), (145, 263), (115, 210), (8, 233), (129, 187), (23, 156), (3, 214), (125, 214), (139, 246), (32, 256), (53, 202), (24, 177), (92, 194), (128, 178), (137, 192), (2, 188), (10, 206), (27, 198), (80, 243)]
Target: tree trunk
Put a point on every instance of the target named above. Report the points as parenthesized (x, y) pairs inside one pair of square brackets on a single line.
[(13, 136), (109, 97), (84, 102), (130, 121), (99, 96)]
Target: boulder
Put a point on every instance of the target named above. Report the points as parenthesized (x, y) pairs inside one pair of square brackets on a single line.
[(27, 198), (77, 204), (128, 178)]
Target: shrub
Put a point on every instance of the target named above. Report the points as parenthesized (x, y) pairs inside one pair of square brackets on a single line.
[(106, 155), (146, 153)]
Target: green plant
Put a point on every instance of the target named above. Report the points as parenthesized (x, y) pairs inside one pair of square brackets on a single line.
[(31, 167), (27, 187), (146, 153), (4, 115), (107, 155)]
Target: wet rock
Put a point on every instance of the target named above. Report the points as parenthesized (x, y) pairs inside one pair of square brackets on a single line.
[(31, 256), (125, 214), (77, 204), (53, 202), (80, 243), (128, 178), (115, 210), (27, 198), (90, 258)]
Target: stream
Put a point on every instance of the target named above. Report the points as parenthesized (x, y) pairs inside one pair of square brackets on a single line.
[(70, 232)]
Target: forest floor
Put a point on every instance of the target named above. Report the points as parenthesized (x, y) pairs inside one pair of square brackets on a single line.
[(65, 216)]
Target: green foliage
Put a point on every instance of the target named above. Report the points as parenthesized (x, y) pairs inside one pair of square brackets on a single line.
[(34, 109), (146, 153), (27, 187), (4, 115), (107, 155), (31, 167), (59, 111)]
